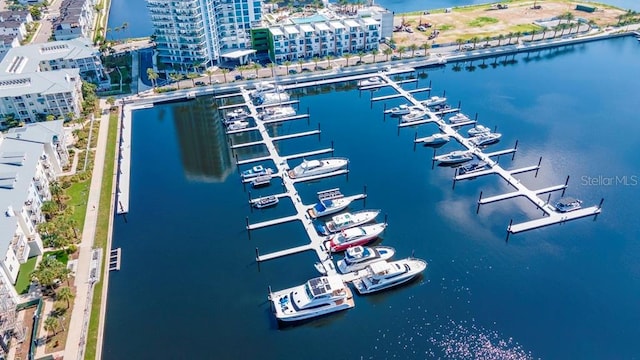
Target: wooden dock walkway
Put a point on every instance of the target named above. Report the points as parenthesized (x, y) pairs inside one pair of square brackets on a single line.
[(555, 218)]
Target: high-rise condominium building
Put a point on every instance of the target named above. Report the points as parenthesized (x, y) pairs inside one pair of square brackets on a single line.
[(191, 33)]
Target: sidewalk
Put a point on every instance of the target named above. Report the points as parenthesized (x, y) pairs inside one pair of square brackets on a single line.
[(79, 317)]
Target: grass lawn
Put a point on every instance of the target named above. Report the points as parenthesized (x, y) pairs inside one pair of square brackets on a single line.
[(482, 21), (24, 276), (78, 194), (60, 255), (102, 232)]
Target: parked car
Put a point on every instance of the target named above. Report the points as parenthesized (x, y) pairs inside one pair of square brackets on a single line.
[(239, 77), (293, 71), (200, 83), (252, 76)]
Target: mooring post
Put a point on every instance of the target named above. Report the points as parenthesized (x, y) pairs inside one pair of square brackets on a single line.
[(566, 183), (332, 150), (236, 156), (386, 216), (415, 137), (509, 231), (538, 169), (455, 174), (459, 105), (476, 118), (549, 198), (433, 159), (248, 229), (364, 202), (479, 199), (258, 261), (319, 132), (515, 148), (444, 93), (599, 207)]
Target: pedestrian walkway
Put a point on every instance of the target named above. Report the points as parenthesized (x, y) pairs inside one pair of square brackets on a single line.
[(76, 338)]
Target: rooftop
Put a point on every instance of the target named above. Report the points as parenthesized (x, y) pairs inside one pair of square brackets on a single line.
[(27, 58), (49, 82)]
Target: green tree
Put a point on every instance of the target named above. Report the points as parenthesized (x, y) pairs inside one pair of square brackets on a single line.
[(475, 40), (209, 73), (51, 325), (315, 61), (56, 191), (48, 271), (329, 57), (176, 77), (347, 56), (500, 38), (111, 100), (568, 16), (256, 67), (387, 52), (459, 41), (360, 55), (510, 36), (49, 209), (517, 34), (375, 52), (193, 76), (153, 76), (272, 66), (35, 12), (224, 73), (486, 39), (401, 50), (533, 34), (65, 294), (425, 46), (286, 65), (413, 48)]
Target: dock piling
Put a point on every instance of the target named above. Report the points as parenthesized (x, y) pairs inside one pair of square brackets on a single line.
[(415, 137), (566, 183), (515, 148), (459, 105), (508, 231), (538, 169), (455, 174), (332, 149), (549, 199), (364, 202), (248, 228), (319, 132), (479, 199), (476, 118)]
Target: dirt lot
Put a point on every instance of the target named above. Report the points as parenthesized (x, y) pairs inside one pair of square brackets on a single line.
[(518, 17)]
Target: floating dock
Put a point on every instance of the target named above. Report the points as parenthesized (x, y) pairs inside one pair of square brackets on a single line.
[(124, 157)]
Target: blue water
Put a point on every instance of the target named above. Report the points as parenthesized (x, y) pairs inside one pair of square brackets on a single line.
[(189, 287), (136, 14)]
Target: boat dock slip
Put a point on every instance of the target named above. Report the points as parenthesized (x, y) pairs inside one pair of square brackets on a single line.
[(277, 221), (413, 91), (521, 190), (387, 97), (414, 123), (231, 132), (232, 106), (115, 257), (276, 138), (321, 176), (225, 96), (461, 124), (288, 118), (124, 159), (309, 153), (281, 103), (290, 251)]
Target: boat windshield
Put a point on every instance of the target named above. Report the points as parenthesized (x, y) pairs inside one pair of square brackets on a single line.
[(320, 207)]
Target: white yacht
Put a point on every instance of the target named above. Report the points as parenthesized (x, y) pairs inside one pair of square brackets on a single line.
[(434, 100), (459, 118), (330, 202), (434, 140), (383, 275), (316, 297), (485, 139), (356, 236), (347, 220), (317, 167), (277, 113), (400, 110), (359, 257), (258, 170), (478, 130), (415, 113), (237, 125), (265, 87), (567, 204), (273, 98), (374, 80), (454, 157), (236, 114)]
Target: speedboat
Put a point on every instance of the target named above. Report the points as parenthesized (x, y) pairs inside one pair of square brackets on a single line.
[(434, 140), (374, 80), (256, 171), (358, 257), (415, 113), (318, 296), (277, 113), (317, 167), (478, 130), (273, 98), (400, 110), (383, 274), (330, 202), (434, 100), (459, 118), (264, 202), (260, 181), (356, 236), (237, 125), (454, 157), (567, 204), (347, 220), (485, 139), (265, 87), (472, 167)]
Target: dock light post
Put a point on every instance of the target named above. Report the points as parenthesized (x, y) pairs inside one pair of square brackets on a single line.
[(455, 174), (248, 229)]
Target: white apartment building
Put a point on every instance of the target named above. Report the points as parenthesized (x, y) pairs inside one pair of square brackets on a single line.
[(75, 20), (77, 53), (194, 33), (321, 37), (30, 97)]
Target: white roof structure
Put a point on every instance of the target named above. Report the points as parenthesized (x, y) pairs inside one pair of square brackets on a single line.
[(336, 25), (238, 54), (370, 21), (27, 58), (291, 30), (48, 82), (276, 31), (322, 26), (351, 23), (306, 28)]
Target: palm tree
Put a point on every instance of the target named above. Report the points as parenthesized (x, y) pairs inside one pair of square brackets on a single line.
[(224, 74), (413, 48), (591, 23), (193, 76), (272, 66), (426, 46), (475, 40), (518, 34), (360, 56), (563, 27), (153, 76), (459, 42), (48, 209), (56, 190), (500, 38), (510, 35), (315, 61), (51, 324), (300, 62), (73, 224), (286, 65), (255, 66), (209, 73), (387, 52), (486, 39), (568, 16), (241, 69), (65, 294), (533, 34), (176, 77), (401, 50), (329, 57), (347, 56), (375, 52)]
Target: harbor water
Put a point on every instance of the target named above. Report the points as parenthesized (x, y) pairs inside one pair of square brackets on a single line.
[(136, 14), (189, 286)]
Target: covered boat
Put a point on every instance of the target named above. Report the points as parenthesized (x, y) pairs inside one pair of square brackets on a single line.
[(472, 167), (434, 100), (434, 140), (478, 130), (264, 202), (277, 113), (383, 275), (330, 202), (255, 171), (567, 204), (317, 167), (415, 113), (359, 257), (316, 297), (347, 220), (485, 139), (459, 118)]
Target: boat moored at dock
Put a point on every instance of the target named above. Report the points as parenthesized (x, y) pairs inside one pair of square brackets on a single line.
[(472, 167), (347, 220), (317, 167), (277, 113), (400, 110), (330, 202), (359, 257), (434, 100), (485, 139), (415, 113), (264, 202), (374, 80), (567, 204), (459, 118), (434, 140), (318, 296), (356, 236), (237, 125), (258, 170), (383, 274), (478, 130), (454, 157)]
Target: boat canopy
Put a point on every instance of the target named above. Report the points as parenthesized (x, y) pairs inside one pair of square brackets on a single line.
[(323, 205)]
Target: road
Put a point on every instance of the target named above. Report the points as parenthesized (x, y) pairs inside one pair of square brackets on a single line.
[(46, 27)]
